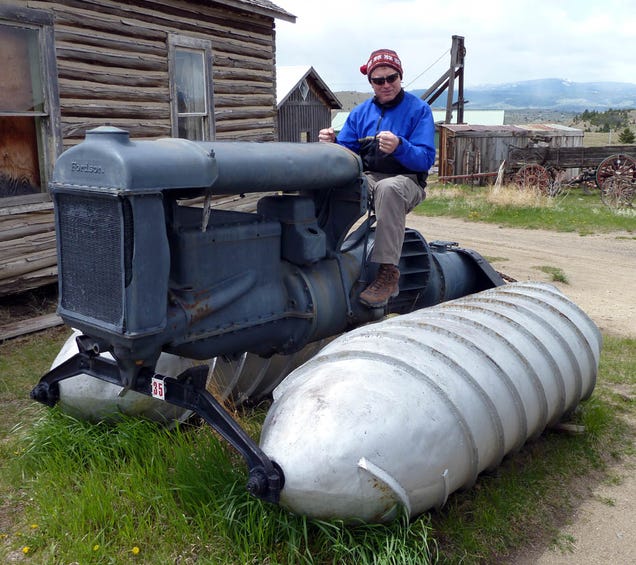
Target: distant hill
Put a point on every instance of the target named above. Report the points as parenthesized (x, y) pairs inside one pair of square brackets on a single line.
[(551, 94), (350, 99), (542, 94)]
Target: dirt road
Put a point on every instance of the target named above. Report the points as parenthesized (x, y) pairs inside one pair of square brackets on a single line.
[(600, 269), (601, 275)]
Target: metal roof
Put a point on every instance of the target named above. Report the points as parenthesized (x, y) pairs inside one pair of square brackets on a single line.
[(554, 129), (288, 78), (339, 120), (264, 7)]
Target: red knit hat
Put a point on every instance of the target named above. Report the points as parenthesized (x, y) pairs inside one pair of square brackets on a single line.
[(382, 58)]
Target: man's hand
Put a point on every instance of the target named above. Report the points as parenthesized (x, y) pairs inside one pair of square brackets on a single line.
[(327, 135), (388, 142)]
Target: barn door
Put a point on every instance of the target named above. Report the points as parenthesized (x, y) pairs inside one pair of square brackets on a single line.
[(29, 140)]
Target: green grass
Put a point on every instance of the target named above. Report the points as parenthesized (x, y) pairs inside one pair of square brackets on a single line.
[(571, 211), (136, 492), (22, 361), (556, 274), (171, 494)]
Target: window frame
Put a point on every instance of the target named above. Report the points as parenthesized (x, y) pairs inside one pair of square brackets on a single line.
[(175, 42), (50, 141)]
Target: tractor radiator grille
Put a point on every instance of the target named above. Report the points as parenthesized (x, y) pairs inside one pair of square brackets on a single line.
[(92, 245)]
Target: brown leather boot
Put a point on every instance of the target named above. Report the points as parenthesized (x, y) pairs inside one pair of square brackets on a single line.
[(384, 286)]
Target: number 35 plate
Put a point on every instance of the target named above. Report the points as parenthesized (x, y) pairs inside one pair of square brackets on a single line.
[(158, 388)]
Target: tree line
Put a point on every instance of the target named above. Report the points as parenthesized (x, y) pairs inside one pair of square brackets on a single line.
[(609, 120)]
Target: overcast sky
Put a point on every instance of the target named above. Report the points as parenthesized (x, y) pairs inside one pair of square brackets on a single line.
[(505, 40)]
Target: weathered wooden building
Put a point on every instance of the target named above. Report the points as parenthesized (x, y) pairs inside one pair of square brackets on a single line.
[(477, 151), (199, 69), (304, 104)]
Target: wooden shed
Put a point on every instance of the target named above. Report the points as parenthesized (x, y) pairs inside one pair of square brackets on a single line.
[(478, 151), (196, 69), (304, 104)]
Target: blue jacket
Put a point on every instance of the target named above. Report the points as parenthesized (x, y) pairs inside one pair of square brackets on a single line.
[(409, 118)]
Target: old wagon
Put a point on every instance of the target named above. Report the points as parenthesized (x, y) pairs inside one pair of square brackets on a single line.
[(474, 153), (611, 168)]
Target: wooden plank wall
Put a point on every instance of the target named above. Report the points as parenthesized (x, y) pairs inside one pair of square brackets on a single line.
[(112, 60), (27, 244), (297, 114)]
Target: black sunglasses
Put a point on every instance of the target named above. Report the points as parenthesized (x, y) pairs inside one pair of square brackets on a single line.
[(381, 80)]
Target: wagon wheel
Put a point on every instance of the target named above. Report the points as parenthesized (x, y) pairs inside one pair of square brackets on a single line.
[(533, 176), (618, 192), (621, 166)]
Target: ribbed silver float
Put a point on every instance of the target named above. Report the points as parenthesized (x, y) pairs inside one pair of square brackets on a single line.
[(250, 378), (405, 411)]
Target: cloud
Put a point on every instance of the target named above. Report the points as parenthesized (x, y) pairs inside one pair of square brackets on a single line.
[(582, 40)]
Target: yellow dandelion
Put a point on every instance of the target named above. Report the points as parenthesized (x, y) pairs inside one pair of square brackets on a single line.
[(26, 549), (135, 550), (34, 526), (96, 547)]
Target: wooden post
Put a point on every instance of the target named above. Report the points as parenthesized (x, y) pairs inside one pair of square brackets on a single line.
[(458, 51)]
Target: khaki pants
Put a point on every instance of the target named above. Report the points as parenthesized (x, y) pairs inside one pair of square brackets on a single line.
[(393, 197)]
